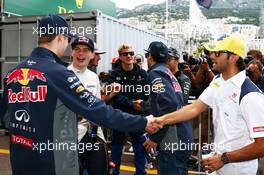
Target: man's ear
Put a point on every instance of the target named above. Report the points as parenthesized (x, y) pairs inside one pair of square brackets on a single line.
[(150, 57), (59, 37), (234, 58)]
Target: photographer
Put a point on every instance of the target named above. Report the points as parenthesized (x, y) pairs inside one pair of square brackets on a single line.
[(255, 54), (254, 72), (203, 76), (188, 69)]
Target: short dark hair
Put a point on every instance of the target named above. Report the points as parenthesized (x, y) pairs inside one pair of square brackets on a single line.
[(46, 39), (257, 54), (241, 64), (158, 60)]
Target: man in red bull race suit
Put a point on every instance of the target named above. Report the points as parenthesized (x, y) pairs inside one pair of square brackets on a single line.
[(42, 97)]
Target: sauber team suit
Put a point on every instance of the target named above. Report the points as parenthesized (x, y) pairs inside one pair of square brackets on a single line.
[(40, 95), (167, 97)]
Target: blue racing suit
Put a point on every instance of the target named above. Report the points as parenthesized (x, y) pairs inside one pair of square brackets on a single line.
[(42, 97), (166, 96)]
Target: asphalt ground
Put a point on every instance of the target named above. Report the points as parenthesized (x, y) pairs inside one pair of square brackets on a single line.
[(127, 167)]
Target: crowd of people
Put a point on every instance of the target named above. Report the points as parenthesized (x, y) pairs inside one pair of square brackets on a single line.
[(50, 102)]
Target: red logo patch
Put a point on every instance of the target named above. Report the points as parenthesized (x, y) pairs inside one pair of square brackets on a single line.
[(177, 87), (258, 129), (24, 76), (22, 141), (26, 95)]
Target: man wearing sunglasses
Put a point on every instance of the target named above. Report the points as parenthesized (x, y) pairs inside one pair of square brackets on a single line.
[(133, 80), (238, 113), (42, 97)]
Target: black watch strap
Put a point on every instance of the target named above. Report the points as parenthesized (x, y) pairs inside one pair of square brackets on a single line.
[(224, 158)]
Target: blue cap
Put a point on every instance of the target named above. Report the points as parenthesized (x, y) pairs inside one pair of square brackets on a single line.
[(54, 25), (83, 40), (158, 50)]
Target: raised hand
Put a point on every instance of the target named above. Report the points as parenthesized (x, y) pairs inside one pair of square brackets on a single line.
[(152, 126), (109, 91)]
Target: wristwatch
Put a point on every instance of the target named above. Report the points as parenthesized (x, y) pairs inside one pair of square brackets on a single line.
[(224, 158)]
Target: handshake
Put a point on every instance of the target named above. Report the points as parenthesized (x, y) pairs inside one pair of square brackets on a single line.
[(154, 124)]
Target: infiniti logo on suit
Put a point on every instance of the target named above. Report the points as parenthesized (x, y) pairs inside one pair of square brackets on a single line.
[(22, 115)]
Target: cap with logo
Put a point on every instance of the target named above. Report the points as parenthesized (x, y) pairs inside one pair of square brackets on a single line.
[(83, 40), (97, 51), (54, 25), (233, 43), (173, 53), (158, 50)]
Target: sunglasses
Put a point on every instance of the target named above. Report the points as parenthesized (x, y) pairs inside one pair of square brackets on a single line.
[(217, 53), (127, 53)]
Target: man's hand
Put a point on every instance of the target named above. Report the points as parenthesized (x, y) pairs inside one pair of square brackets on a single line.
[(116, 87), (109, 91), (152, 126), (187, 70), (204, 66), (213, 163), (137, 105), (160, 121), (148, 144)]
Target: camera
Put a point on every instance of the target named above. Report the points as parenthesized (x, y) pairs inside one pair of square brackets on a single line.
[(248, 59), (182, 66), (198, 60), (249, 72), (185, 56)]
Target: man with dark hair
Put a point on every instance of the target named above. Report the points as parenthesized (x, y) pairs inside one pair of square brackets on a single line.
[(139, 60), (93, 64), (238, 113), (255, 73), (173, 64), (166, 96), (256, 54), (42, 97)]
